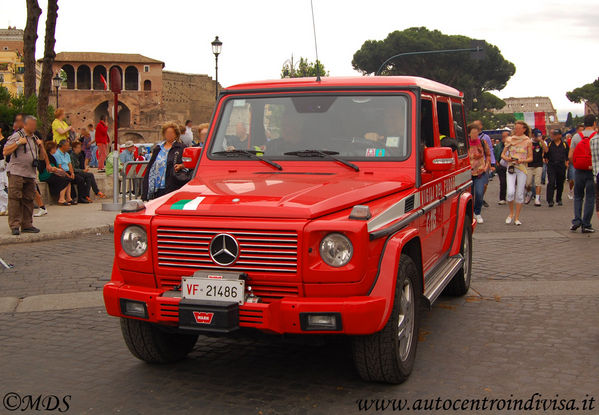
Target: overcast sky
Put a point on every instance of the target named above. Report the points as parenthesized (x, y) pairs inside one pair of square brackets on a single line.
[(552, 43)]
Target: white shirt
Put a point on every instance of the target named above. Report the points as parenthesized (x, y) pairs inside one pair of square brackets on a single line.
[(187, 138)]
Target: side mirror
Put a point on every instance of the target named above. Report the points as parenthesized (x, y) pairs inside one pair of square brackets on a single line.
[(191, 156), (438, 159)]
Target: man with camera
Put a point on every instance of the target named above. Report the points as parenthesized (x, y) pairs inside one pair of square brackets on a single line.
[(25, 151)]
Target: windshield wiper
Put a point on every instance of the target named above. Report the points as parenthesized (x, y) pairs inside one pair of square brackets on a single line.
[(323, 153), (253, 155)]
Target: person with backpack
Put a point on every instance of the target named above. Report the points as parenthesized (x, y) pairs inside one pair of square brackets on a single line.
[(584, 182)]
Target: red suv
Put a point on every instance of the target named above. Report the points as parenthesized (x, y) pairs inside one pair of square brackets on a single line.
[(333, 206)]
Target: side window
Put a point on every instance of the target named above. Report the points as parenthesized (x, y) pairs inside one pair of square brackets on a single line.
[(443, 118), (427, 138), (459, 127)]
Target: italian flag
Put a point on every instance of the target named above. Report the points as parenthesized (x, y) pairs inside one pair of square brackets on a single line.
[(533, 119), (187, 204)]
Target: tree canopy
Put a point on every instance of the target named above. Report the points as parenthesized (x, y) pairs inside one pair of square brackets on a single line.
[(304, 69), (461, 70), (12, 105), (588, 94)]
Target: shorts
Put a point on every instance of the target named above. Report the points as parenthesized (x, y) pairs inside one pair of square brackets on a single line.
[(571, 172), (533, 176)]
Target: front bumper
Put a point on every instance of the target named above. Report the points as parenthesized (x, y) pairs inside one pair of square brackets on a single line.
[(359, 315)]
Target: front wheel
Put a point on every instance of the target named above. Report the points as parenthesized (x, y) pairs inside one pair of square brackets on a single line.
[(388, 355), (152, 344)]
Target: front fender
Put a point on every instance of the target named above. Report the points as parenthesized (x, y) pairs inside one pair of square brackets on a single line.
[(389, 264), (463, 211)]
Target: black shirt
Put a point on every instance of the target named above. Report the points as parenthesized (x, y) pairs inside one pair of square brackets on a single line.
[(557, 153), (537, 155)]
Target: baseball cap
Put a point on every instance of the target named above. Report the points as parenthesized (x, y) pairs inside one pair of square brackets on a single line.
[(556, 131)]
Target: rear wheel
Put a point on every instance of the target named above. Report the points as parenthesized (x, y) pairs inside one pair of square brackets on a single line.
[(460, 283), (388, 355), (152, 344)]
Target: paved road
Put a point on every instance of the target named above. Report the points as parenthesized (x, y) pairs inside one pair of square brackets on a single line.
[(539, 334)]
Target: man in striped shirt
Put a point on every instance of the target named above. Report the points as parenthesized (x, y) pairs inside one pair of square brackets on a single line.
[(595, 157)]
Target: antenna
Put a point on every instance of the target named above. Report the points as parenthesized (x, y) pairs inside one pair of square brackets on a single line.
[(315, 43)]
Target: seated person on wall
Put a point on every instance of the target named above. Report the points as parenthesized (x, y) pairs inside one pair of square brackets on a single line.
[(58, 181), (63, 158), (239, 141), (127, 153), (83, 177), (387, 141)]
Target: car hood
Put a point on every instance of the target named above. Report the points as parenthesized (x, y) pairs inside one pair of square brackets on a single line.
[(278, 195)]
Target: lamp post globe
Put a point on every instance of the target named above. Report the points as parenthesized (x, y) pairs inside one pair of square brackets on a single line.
[(217, 46), (56, 81)]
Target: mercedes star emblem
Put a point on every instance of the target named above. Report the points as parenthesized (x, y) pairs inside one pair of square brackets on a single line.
[(224, 249)]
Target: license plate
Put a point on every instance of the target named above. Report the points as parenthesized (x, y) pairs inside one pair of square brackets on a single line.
[(213, 289)]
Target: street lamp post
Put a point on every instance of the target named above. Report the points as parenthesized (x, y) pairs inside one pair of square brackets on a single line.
[(56, 81), (217, 46)]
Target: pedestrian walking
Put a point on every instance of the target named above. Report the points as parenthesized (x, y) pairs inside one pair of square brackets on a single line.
[(534, 171), (571, 171), (187, 135), (3, 176), (584, 182), (103, 142), (480, 157), (487, 140), (557, 163), (517, 154), (501, 167), (25, 151), (165, 162)]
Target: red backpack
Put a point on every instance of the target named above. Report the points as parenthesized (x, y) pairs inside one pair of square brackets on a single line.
[(581, 158)]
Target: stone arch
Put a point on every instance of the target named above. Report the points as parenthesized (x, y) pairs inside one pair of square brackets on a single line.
[(124, 115), (121, 72), (135, 137), (106, 108), (84, 78), (101, 109), (147, 85), (69, 72), (131, 78), (99, 71)]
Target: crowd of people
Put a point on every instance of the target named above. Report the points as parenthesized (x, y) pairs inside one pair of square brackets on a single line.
[(63, 159), (525, 159)]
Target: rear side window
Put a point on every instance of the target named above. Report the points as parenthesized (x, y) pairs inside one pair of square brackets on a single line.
[(427, 137), (459, 127), (443, 118)]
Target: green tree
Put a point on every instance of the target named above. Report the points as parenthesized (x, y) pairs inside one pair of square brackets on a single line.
[(569, 120), (461, 70), (13, 105), (304, 69), (588, 94)]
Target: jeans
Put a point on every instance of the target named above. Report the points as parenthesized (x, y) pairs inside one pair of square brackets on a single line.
[(584, 189), (94, 156), (556, 174), (501, 172), (478, 188)]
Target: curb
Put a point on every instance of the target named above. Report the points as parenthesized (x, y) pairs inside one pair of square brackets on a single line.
[(52, 302), (38, 237)]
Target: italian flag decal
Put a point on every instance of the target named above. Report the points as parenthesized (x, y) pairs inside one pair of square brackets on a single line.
[(533, 119), (187, 204)]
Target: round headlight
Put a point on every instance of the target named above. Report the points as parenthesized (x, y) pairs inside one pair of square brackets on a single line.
[(134, 241), (336, 249)]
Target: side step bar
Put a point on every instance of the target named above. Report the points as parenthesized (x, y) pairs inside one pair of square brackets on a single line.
[(440, 277)]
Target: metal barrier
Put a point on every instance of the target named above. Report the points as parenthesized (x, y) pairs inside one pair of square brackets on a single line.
[(132, 176)]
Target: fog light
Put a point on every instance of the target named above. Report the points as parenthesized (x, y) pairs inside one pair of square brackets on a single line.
[(320, 322), (134, 308)]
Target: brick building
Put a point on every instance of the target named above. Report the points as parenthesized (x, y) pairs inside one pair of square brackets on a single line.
[(149, 95), (11, 60)]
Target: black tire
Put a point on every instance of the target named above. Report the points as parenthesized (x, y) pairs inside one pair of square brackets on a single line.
[(460, 283), (152, 344), (381, 356)]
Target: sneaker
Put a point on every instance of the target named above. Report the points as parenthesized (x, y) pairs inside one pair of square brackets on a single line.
[(31, 229), (479, 219), (588, 230), (560, 203), (573, 228), (517, 222), (508, 220), (15, 231), (537, 203), (485, 204), (3, 213), (550, 204), (41, 212), (101, 171), (528, 197), (502, 202), (570, 195)]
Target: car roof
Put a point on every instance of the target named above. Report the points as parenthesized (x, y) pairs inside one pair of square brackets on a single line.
[(350, 82)]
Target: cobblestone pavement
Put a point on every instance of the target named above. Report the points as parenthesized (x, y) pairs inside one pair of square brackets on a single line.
[(469, 348)]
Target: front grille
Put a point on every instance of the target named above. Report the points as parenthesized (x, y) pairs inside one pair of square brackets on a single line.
[(261, 251)]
